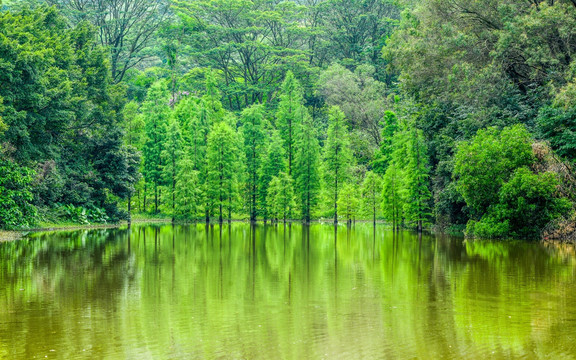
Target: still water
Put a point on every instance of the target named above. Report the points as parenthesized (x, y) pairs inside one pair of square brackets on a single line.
[(276, 292)]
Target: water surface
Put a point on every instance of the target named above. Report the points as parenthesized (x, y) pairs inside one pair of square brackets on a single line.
[(283, 292)]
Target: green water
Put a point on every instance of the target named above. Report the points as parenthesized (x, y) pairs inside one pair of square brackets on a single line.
[(238, 292)]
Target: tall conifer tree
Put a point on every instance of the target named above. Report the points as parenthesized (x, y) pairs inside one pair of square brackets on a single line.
[(337, 155), (252, 120), (290, 114), (272, 164), (222, 165), (156, 113), (306, 168)]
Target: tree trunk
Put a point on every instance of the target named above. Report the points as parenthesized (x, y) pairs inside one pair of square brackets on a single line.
[(229, 210), (129, 208), (155, 199), (253, 207), (336, 199), (290, 147), (145, 191), (138, 201), (173, 190), (220, 200)]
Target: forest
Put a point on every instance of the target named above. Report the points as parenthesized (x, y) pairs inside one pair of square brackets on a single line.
[(453, 115)]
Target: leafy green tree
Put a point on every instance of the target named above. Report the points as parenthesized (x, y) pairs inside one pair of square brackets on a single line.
[(337, 155), (355, 31), (37, 59), (306, 168), (527, 203), (195, 119), (253, 122), (362, 99), (525, 52), (211, 99), (281, 197), (222, 165), (62, 114), (126, 27), (493, 175), (485, 162), (252, 43), (371, 194)]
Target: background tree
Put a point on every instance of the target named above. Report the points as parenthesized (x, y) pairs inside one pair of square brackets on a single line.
[(363, 101), (253, 44), (558, 125), (126, 27), (355, 31)]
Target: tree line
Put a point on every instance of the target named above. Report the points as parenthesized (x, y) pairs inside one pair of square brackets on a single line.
[(202, 162)]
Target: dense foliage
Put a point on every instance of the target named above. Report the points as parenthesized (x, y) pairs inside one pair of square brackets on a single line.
[(419, 113), (63, 117)]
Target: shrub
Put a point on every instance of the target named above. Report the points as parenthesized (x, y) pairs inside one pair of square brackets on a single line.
[(16, 209), (527, 203)]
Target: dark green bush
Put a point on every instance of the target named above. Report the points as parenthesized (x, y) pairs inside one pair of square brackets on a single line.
[(527, 202), (16, 209)]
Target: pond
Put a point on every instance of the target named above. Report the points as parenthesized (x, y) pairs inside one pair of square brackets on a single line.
[(283, 292)]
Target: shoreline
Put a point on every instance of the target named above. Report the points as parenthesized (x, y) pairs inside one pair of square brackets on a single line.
[(12, 235)]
